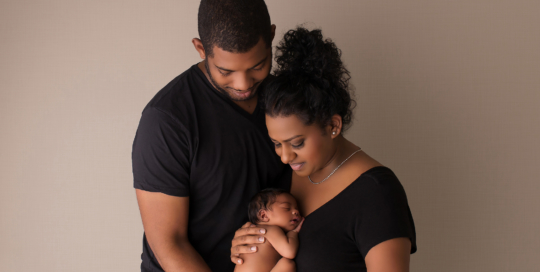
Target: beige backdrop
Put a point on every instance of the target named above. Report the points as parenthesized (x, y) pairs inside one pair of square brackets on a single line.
[(448, 96)]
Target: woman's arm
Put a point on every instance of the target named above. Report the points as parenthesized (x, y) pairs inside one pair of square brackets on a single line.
[(389, 256)]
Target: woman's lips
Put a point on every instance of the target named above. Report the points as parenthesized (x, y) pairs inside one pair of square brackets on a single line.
[(296, 166)]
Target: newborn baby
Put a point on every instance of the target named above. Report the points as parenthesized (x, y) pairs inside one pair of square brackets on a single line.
[(277, 211)]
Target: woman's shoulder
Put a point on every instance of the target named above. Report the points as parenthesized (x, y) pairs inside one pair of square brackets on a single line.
[(380, 175), (379, 187)]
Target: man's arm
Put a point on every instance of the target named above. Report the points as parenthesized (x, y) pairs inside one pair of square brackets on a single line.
[(389, 256), (165, 221), (247, 234)]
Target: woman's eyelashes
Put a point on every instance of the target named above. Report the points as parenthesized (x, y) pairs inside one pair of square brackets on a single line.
[(296, 145)]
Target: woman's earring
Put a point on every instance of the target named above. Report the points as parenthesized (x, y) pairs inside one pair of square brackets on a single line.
[(333, 133)]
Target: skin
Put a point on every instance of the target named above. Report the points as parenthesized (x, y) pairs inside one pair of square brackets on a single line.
[(283, 222), (165, 218), (237, 75), (315, 152)]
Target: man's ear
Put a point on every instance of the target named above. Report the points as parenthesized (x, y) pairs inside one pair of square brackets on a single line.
[(335, 126), (273, 31), (199, 47), (263, 216)]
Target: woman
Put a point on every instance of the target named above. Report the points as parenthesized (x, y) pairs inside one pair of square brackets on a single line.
[(356, 212)]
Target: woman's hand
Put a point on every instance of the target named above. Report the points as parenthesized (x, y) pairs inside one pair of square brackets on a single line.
[(248, 234)]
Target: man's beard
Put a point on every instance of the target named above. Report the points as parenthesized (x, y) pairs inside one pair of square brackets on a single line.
[(216, 85)]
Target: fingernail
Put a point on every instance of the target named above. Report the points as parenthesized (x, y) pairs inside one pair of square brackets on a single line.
[(262, 231), (253, 248), (261, 239), (239, 261)]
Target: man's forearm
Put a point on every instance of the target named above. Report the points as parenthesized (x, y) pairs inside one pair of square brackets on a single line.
[(180, 256)]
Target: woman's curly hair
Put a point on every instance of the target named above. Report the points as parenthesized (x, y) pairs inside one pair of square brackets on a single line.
[(311, 81)]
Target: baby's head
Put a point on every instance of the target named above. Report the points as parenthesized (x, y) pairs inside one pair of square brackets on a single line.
[(274, 207)]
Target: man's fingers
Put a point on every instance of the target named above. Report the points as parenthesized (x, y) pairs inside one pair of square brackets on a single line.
[(247, 225), (236, 250), (236, 260), (249, 231), (247, 239)]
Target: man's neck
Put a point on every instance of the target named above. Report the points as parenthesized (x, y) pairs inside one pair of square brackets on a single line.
[(247, 105)]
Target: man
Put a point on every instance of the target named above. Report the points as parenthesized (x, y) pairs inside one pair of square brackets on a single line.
[(202, 149)]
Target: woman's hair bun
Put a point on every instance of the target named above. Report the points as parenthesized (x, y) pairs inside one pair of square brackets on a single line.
[(311, 80), (305, 52)]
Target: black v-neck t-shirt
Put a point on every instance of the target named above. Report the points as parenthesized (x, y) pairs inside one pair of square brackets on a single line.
[(193, 141), (338, 235)]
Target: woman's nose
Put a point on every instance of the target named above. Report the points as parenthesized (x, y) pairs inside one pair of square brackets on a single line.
[(286, 155)]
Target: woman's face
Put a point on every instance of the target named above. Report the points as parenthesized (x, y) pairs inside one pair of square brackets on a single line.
[(306, 149)]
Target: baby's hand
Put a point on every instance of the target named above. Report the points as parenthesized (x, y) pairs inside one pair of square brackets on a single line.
[(297, 229)]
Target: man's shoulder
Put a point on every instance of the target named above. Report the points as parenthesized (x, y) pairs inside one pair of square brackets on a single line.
[(179, 97), (176, 90)]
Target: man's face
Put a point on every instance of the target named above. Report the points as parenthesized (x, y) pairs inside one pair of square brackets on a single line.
[(239, 74)]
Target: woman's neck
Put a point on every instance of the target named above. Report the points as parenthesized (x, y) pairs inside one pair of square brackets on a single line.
[(343, 149)]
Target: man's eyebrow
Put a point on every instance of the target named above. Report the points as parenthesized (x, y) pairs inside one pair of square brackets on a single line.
[(259, 63), (288, 140)]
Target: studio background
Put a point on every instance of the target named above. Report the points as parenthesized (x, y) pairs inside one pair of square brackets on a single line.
[(448, 96)]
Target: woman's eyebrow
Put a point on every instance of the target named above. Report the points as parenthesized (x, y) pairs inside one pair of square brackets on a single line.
[(288, 140)]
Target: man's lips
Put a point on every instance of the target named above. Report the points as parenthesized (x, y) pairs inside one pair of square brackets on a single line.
[(296, 166)]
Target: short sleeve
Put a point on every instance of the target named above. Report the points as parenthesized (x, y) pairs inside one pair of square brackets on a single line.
[(161, 154), (385, 214)]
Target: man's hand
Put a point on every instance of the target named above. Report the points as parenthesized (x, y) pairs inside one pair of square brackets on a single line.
[(247, 234)]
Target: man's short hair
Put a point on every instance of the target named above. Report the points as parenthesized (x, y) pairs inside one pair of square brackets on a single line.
[(233, 25)]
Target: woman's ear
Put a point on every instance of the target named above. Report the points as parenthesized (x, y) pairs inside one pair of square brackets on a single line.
[(263, 216), (199, 47), (335, 126)]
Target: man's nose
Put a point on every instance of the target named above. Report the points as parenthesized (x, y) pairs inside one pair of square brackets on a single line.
[(242, 82)]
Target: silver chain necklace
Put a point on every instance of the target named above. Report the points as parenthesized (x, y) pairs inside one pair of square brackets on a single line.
[(334, 169)]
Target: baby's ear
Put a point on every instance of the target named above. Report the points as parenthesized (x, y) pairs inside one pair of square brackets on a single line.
[(263, 216)]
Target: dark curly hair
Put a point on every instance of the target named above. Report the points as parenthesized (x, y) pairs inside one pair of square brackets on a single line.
[(233, 25), (262, 201), (311, 81)]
